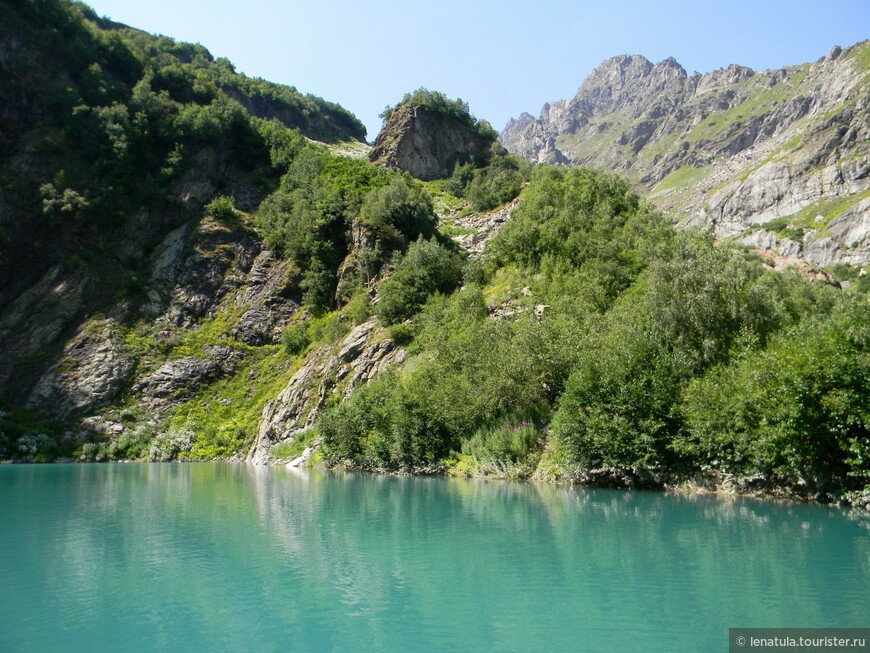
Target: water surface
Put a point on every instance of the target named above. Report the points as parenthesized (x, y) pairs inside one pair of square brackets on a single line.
[(221, 557)]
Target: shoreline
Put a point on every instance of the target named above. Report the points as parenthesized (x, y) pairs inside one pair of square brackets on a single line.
[(716, 484)]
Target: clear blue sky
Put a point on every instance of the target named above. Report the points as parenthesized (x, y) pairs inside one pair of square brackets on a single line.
[(501, 56)]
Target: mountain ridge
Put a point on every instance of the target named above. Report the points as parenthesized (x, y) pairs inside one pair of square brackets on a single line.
[(733, 150)]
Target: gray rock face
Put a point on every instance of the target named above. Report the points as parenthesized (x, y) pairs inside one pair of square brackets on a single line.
[(92, 371), (175, 380), (39, 316), (483, 226), (427, 144), (360, 356), (195, 267), (730, 150), (266, 294)]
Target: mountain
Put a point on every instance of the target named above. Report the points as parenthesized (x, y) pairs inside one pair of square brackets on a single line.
[(197, 266), (130, 169), (778, 160), (186, 254)]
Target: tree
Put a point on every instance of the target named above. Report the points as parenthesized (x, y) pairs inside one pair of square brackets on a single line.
[(426, 267)]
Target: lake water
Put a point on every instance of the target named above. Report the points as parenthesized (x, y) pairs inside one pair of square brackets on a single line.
[(221, 557)]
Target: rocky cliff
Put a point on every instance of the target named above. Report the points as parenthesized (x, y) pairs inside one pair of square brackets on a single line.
[(426, 143), (778, 160), (131, 313)]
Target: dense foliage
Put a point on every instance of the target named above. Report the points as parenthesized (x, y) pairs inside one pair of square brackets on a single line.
[(589, 335), (115, 120), (622, 344), (427, 267), (490, 186), (324, 202)]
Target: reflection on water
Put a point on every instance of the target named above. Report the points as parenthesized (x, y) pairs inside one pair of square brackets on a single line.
[(236, 557)]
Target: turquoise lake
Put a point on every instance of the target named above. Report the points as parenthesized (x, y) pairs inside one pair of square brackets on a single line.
[(223, 557)]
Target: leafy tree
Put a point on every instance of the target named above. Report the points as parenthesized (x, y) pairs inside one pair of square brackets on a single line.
[(798, 409), (395, 215), (426, 268)]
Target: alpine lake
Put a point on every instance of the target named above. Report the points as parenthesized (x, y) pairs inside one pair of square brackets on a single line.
[(233, 557)]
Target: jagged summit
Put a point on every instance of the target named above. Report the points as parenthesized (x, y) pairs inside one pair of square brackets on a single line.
[(777, 158)]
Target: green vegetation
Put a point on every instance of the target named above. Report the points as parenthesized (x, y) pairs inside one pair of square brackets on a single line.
[(860, 54), (118, 123), (679, 178), (490, 186), (290, 450), (624, 344), (221, 208), (26, 435), (589, 335), (325, 329), (321, 200), (426, 268), (857, 278)]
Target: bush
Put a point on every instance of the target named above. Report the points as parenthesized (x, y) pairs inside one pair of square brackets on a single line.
[(402, 333), (172, 444), (36, 446), (462, 175), (221, 208), (496, 184), (510, 441), (798, 409), (359, 307), (427, 267), (296, 338), (329, 328), (396, 215)]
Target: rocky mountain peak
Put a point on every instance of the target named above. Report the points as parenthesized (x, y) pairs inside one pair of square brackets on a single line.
[(779, 159)]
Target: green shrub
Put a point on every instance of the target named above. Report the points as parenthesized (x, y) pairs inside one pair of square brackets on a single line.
[(458, 182), (288, 450), (171, 445), (402, 333), (221, 208), (133, 444), (395, 214), (427, 267), (359, 308), (797, 409), (496, 184), (296, 338), (36, 446), (329, 329)]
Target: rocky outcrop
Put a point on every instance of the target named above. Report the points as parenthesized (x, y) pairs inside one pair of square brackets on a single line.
[(481, 227), (35, 321), (195, 267), (201, 268), (731, 150), (269, 300), (176, 380), (93, 369), (427, 144), (359, 356)]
